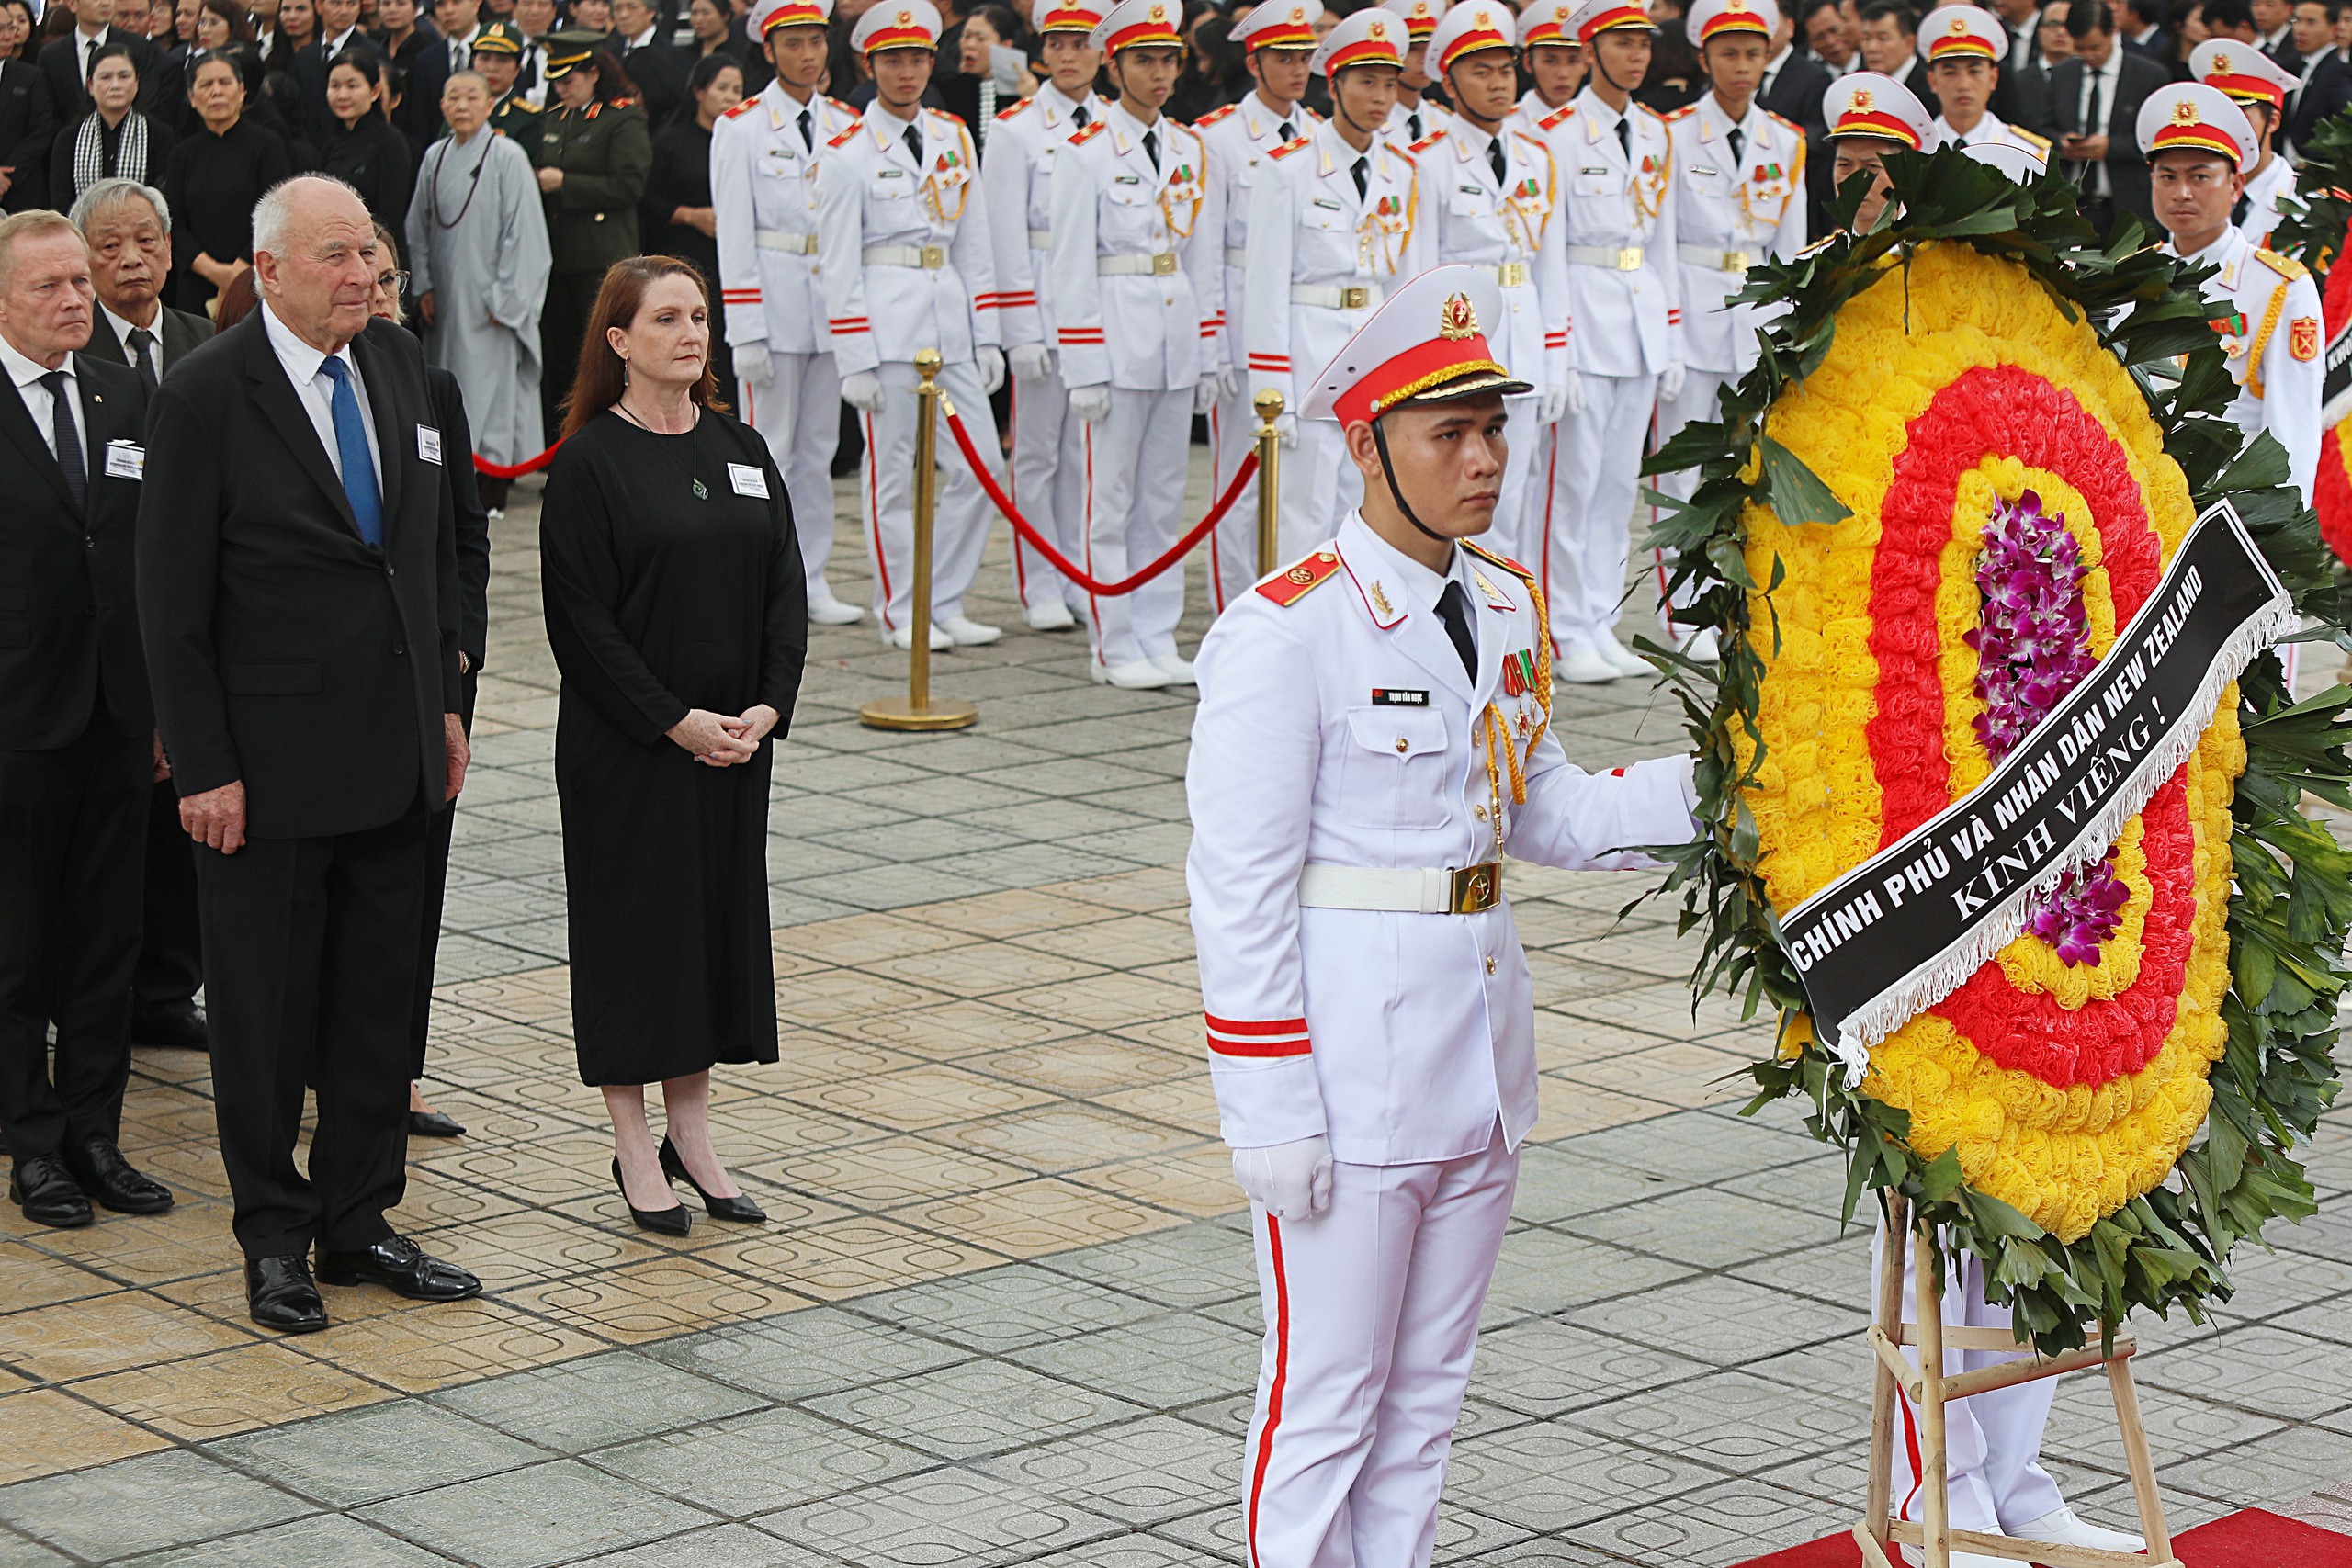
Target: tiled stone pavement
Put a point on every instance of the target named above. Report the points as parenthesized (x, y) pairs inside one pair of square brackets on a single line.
[(1005, 1313)]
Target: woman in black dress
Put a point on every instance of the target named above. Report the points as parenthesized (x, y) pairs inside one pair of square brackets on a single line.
[(677, 611), (364, 149), (213, 180), (675, 216), (27, 118), (114, 141)]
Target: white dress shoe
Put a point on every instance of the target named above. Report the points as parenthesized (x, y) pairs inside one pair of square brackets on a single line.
[(1143, 675), (969, 632), (1625, 659), (2061, 1528), (1703, 649), (904, 638), (1178, 671), (825, 610), (1580, 665), (1048, 618)]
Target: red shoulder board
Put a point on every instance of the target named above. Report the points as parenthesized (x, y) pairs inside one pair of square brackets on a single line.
[(1498, 559), (846, 137), (743, 107), (850, 109), (1784, 122), (1287, 148), (1018, 106), (1089, 134), (1214, 115), (1287, 588), (1556, 117), (1426, 142), (596, 109)]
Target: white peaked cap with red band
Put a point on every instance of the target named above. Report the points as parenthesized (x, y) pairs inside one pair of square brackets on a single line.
[(1547, 21), (1867, 104), (1963, 31), (796, 14), (1721, 18), (897, 24), (1469, 27), (1279, 24), (2242, 71), (1596, 16), (1139, 23), (1420, 16), (1069, 17), (1426, 343), (2190, 117), (1373, 36)]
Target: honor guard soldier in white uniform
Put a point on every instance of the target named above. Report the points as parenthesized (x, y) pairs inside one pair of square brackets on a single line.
[(1279, 37), (1494, 189), (1869, 116), (1336, 221), (1624, 340), (1416, 116), (2265, 306), (763, 160), (902, 244), (1553, 57), (1048, 459), (2254, 82), (1138, 284), (1372, 739), (1962, 46), (1738, 198)]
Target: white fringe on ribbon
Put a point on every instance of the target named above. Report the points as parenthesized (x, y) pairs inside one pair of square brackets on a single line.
[(1933, 981)]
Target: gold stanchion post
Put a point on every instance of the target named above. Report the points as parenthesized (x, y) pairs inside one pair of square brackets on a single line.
[(918, 712), (1269, 404)]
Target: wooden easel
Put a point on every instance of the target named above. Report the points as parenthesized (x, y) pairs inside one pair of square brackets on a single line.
[(1931, 1390)]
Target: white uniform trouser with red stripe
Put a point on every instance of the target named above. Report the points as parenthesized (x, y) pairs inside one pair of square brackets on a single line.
[(1049, 486), (1372, 1315), (960, 528), (1233, 548), (798, 416), (1696, 403), (1135, 509), (1596, 474), (1992, 1441)]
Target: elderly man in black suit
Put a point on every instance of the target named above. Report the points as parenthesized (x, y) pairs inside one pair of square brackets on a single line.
[(2095, 102), (77, 735), (65, 62), (2325, 87), (128, 228), (298, 586)]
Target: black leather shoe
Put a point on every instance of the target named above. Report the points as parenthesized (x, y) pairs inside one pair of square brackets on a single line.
[(671, 1221), (433, 1124), (175, 1026), (281, 1294), (743, 1210), (402, 1267), (105, 1174), (45, 1189)]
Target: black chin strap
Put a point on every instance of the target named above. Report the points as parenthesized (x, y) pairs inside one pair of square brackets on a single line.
[(1388, 472), (1592, 52)]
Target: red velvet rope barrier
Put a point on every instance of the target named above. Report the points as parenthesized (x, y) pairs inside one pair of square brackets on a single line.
[(1062, 563), (515, 470)]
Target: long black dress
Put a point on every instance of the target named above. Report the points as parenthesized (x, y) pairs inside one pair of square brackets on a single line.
[(658, 601)]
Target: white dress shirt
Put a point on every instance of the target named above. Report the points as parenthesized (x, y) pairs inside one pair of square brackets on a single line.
[(122, 330), (26, 374), (306, 368), (341, 41)]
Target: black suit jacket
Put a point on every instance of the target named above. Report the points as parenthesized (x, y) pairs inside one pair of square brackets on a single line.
[(427, 72), (183, 331), (472, 517), (1795, 96), (2328, 91), (26, 123), (69, 621), (2287, 57), (660, 73), (61, 64), (285, 651), (2127, 167)]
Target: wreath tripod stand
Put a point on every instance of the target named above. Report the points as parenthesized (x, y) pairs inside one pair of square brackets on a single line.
[(1931, 1389)]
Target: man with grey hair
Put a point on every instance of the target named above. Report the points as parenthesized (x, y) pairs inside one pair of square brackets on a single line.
[(298, 586), (128, 229)]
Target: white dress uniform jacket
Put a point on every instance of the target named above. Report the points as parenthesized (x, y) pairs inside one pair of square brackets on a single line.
[(1408, 123), (1018, 174), (764, 191), (1502, 226), (1139, 251), (2275, 354), (2263, 190), (1336, 728), (1620, 232), (1729, 213), (1991, 132), (905, 246)]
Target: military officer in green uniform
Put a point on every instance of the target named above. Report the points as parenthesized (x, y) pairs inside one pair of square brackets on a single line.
[(594, 153), (498, 57)]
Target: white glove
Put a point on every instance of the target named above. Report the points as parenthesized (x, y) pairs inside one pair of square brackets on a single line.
[(1090, 403), (1205, 394), (1030, 362), (1228, 382), (1286, 427), (991, 361), (1574, 390), (863, 390), (1290, 1181), (1555, 404), (1669, 383), (754, 367)]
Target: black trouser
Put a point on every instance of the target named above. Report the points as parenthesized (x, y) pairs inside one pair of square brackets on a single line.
[(564, 319), (310, 948), (72, 827), (171, 954), (437, 888)]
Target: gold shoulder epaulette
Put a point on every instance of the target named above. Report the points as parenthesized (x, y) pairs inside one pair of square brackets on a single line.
[(1287, 588), (846, 109), (1018, 104), (1556, 117), (1284, 151), (1685, 112), (846, 137), (1498, 559), (1216, 115), (1426, 142), (1785, 121), (1090, 133), (2286, 268)]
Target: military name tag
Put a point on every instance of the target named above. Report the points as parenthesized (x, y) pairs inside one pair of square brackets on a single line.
[(1396, 697), (1322, 201), (748, 480), (1126, 179), (428, 443), (126, 460)]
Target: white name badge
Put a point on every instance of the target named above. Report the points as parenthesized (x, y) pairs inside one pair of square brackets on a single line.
[(428, 443), (748, 480), (126, 460)]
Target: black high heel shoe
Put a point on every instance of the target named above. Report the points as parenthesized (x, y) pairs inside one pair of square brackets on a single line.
[(671, 1221), (743, 1210)]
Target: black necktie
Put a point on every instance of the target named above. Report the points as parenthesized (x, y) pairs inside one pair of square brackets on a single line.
[(914, 145), (807, 133), (1495, 159), (90, 56), (1625, 138), (1079, 116), (65, 437), (143, 358), (1738, 139), (1413, 124), (1151, 149), (1453, 609), (1289, 135), (1362, 169)]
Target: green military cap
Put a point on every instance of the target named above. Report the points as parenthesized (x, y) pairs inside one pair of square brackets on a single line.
[(500, 38), (569, 49)]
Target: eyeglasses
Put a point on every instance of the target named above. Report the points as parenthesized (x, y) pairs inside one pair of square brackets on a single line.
[(392, 283)]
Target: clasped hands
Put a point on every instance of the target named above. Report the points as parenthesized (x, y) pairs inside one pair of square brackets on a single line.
[(719, 740)]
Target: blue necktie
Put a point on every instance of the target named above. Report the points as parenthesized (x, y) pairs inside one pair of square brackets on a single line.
[(351, 447)]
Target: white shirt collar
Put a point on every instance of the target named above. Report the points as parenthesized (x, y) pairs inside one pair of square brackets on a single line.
[(27, 372), (336, 44), (1134, 129), (1772, 67), (301, 361), (124, 327), (645, 38), (1421, 585)]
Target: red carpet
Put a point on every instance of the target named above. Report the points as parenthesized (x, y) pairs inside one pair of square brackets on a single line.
[(2250, 1538)]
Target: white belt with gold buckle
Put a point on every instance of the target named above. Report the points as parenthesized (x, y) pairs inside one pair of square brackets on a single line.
[(1332, 297), (791, 244), (930, 258), (1613, 258), (1431, 890), (1716, 261), (1158, 264)]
